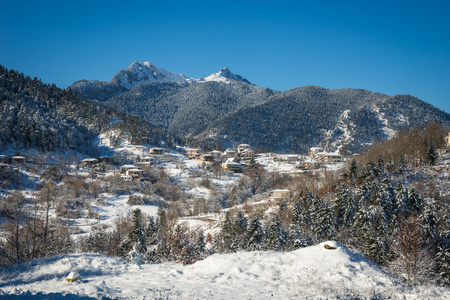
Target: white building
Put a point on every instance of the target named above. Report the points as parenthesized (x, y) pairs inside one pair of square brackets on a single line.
[(242, 147)]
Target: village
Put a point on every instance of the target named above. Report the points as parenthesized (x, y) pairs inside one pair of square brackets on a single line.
[(132, 168), (136, 157)]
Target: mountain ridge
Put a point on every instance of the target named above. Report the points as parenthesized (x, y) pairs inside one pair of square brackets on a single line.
[(139, 73), (225, 108)]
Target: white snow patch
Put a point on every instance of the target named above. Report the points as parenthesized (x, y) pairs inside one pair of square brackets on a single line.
[(312, 272)]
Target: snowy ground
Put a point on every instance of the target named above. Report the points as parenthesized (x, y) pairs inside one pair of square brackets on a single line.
[(309, 273)]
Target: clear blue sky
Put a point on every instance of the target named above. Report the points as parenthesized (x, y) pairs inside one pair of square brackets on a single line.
[(391, 47)]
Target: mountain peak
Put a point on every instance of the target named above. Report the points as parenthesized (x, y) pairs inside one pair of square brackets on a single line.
[(224, 75), (146, 72)]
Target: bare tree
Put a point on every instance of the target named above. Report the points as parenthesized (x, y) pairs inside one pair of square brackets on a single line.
[(413, 261), (95, 188), (47, 197), (13, 250)]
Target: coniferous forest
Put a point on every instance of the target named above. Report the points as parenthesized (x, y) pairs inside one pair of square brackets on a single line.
[(40, 115)]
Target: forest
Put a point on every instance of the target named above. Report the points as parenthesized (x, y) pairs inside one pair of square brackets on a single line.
[(40, 115), (378, 207), (384, 203)]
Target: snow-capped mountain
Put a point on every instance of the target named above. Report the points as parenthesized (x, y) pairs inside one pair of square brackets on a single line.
[(139, 73), (224, 75), (145, 72), (217, 107)]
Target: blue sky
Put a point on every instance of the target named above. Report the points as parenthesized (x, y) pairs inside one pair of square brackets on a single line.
[(391, 47)]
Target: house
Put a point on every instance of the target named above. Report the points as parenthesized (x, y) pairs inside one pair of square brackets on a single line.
[(302, 165), (143, 149), (314, 151), (90, 162), (247, 153), (448, 139), (157, 151), (135, 173), (333, 158), (290, 158), (5, 159), (232, 166), (18, 159), (216, 154), (320, 156), (193, 153), (207, 158), (125, 168), (242, 147), (279, 195), (106, 159), (147, 160), (230, 153), (4, 166)]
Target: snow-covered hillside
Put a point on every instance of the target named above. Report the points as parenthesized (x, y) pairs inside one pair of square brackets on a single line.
[(309, 273)]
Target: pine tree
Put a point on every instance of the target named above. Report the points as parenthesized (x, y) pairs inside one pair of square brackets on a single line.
[(136, 239), (325, 223), (414, 204), (443, 258), (254, 235), (353, 171), (380, 165), (344, 206), (239, 229), (276, 235), (401, 200), (226, 233), (401, 164), (151, 233), (162, 224), (300, 225), (201, 243), (432, 155), (429, 222)]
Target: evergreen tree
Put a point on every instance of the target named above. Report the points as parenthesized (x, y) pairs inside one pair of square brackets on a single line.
[(353, 171), (239, 229), (201, 243), (429, 221), (401, 164), (401, 200), (255, 234), (162, 223), (344, 207), (380, 165), (325, 223), (226, 233), (136, 239), (276, 235), (432, 155), (151, 232), (443, 258), (414, 204)]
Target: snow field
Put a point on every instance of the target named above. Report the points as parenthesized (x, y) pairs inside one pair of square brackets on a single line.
[(312, 272)]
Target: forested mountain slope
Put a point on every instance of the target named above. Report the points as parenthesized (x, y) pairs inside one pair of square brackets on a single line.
[(188, 109), (225, 108), (308, 116), (38, 115)]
